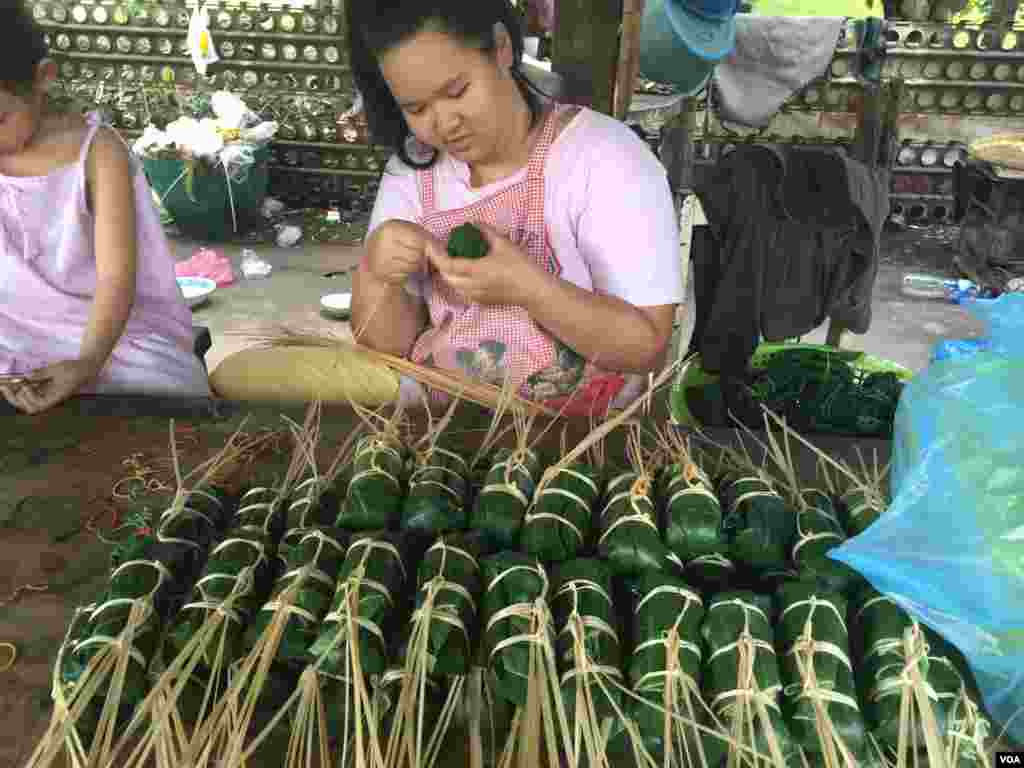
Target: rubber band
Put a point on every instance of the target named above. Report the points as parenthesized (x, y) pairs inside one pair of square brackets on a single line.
[(12, 652)]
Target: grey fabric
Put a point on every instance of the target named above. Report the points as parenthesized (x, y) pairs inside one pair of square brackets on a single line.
[(775, 57), (793, 237)]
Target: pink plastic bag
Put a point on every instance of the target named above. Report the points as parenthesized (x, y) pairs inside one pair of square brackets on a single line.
[(207, 263)]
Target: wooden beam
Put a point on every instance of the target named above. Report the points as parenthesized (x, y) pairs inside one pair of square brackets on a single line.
[(586, 48), (629, 57)]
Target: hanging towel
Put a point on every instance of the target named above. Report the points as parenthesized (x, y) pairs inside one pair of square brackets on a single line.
[(775, 57)]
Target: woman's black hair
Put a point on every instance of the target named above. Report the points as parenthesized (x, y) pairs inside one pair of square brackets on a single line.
[(374, 28), (25, 47)]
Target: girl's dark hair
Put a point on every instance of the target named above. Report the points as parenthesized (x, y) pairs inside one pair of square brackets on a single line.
[(25, 47), (374, 28)]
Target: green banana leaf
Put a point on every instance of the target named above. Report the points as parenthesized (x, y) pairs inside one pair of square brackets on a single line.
[(815, 656), (438, 488), (512, 580), (372, 579), (377, 487), (467, 242), (313, 557), (690, 512), (559, 525), (758, 523), (582, 605), (506, 495), (736, 624), (630, 539)]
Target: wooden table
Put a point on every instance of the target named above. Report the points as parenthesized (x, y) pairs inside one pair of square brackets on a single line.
[(58, 471)]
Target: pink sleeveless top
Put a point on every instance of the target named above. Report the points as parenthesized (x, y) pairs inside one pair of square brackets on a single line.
[(48, 263), (486, 342)]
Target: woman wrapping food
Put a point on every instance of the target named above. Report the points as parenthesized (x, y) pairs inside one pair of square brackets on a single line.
[(576, 294)]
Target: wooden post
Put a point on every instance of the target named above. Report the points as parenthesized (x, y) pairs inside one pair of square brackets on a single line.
[(586, 48), (629, 56)]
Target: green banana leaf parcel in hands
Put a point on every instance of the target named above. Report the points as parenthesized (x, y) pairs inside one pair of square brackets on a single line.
[(467, 242), (559, 525)]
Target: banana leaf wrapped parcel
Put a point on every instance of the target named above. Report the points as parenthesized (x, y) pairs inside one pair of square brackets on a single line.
[(438, 493), (630, 539), (309, 561), (367, 601), (818, 671), (665, 668), (234, 583), (501, 504), (449, 580), (860, 508), (818, 532), (691, 513), (588, 647), (514, 585), (758, 523), (891, 641), (313, 504), (377, 487), (103, 627), (742, 684), (559, 524)]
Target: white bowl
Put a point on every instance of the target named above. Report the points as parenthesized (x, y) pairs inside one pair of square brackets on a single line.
[(196, 290), (337, 305)]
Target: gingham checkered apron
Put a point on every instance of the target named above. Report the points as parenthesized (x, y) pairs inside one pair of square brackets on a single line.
[(518, 213)]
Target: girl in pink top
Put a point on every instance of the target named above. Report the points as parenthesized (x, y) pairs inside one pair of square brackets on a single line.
[(577, 294), (88, 296)]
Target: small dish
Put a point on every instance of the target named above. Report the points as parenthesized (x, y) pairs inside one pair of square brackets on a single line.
[(196, 290), (337, 305)]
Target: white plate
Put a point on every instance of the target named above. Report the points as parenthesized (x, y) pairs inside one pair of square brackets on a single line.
[(337, 305), (196, 290)]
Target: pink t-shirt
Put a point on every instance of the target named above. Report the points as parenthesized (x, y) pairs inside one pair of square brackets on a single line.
[(609, 212)]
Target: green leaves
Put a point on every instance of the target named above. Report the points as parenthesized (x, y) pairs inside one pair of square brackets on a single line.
[(467, 242)]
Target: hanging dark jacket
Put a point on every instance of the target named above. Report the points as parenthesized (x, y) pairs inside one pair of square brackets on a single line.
[(793, 238)]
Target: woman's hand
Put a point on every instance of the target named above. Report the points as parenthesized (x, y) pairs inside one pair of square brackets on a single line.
[(50, 386), (396, 251), (506, 275)]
